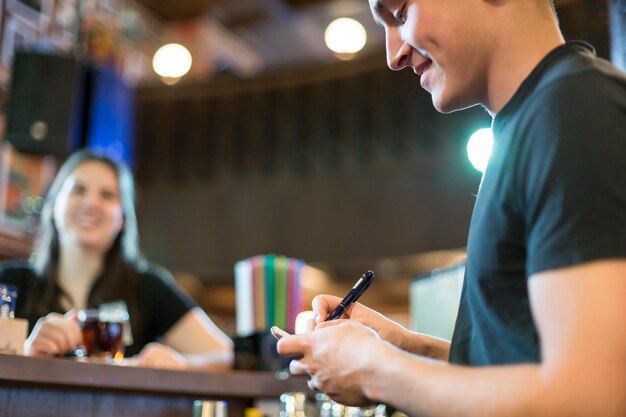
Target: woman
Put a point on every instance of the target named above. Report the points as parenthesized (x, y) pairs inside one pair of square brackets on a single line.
[(88, 254)]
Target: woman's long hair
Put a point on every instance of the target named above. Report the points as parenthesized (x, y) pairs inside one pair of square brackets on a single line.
[(118, 280)]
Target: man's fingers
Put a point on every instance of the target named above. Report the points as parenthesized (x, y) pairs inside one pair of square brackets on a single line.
[(325, 324), (298, 368), (323, 305), (320, 308), (293, 345), (311, 382)]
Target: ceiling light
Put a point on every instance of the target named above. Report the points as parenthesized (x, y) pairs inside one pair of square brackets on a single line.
[(171, 61), (345, 37)]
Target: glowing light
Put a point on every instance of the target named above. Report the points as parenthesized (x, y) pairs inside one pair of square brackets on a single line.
[(345, 37), (172, 61), (479, 148), (302, 319)]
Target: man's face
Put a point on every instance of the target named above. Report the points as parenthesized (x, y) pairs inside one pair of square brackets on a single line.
[(443, 42)]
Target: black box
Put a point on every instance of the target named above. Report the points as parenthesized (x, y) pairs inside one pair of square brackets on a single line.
[(257, 352)]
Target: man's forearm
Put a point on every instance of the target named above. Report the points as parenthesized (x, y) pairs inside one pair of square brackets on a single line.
[(428, 346), (424, 388)]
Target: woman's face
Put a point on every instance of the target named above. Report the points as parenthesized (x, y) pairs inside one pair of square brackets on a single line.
[(88, 211)]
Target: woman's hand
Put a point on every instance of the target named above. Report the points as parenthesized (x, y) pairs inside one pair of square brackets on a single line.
[(54, 334), (157, 355)]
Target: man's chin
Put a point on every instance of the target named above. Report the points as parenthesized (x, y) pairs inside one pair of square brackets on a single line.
[(449, 106), (441, 106)]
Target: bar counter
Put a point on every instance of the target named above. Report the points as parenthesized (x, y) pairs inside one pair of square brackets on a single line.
[(33, 387)]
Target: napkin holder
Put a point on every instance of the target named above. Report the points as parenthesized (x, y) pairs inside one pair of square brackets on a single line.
[(13, 334)]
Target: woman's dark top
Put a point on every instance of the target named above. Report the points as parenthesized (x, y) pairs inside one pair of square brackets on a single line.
[(160, 302)]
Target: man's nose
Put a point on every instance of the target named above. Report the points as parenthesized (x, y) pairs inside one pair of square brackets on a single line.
[(398, 52)]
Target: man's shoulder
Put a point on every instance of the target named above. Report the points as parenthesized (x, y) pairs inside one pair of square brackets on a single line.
[(580, 92), (582, 77)]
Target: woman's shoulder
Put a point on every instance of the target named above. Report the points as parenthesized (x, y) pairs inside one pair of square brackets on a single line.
[(15, 267), (154, 273), (16, 272), (159, 283)]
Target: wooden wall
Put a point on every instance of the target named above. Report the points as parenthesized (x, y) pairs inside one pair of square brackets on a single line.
[(347, 163)]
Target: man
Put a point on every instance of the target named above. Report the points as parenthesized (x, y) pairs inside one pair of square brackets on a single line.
[(540, 327)]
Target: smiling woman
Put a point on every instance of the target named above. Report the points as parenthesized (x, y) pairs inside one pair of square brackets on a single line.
[(88, 255), (88, 210)]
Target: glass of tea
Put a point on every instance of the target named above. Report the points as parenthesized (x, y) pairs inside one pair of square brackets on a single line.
[(103, 334)]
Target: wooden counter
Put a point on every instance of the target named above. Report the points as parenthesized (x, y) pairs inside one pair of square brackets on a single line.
[(32, 387)]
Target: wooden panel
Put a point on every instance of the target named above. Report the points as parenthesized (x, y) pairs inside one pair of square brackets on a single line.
[(61, 387), (14, 246), (59, 402)]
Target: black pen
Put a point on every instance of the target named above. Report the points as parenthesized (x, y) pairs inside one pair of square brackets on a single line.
[(359, 288)]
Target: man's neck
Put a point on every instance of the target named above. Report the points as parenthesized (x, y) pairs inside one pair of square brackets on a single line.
[(525, 38)]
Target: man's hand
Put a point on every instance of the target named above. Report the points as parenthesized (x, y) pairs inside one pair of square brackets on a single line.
[(387, 329), (337, 358)]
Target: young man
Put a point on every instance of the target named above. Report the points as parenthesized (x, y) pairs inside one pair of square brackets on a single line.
[(540, 326)]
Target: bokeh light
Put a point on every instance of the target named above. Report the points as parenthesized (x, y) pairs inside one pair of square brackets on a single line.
[(172, 61), (479, 148), (345, 37)]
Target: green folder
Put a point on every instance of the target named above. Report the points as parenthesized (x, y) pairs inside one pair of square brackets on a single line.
[(280, 267), (270, 288)]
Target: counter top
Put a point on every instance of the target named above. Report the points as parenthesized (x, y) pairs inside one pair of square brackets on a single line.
[(68, 388), (71, 373)]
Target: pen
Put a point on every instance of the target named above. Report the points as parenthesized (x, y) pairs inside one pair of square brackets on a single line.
[(357, 290)]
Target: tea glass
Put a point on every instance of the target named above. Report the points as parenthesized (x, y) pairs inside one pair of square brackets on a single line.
[(103, 334)]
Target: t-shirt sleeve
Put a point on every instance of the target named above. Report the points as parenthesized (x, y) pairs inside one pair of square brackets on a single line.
[(575, 187), (162, 301)]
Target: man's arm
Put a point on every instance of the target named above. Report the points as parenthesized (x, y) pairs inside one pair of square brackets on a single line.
[(387, 329), (579, 312), (425, 345)]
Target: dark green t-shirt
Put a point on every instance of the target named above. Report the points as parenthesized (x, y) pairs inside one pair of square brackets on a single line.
[(553, 195)]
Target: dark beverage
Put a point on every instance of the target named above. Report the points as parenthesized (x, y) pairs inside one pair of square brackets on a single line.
[(102, 335)]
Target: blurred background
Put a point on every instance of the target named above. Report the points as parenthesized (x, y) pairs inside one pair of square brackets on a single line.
[(254, 138)]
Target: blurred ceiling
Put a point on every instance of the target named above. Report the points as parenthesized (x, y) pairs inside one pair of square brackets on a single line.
[(186, 9), (250, 37), (266, 34)]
